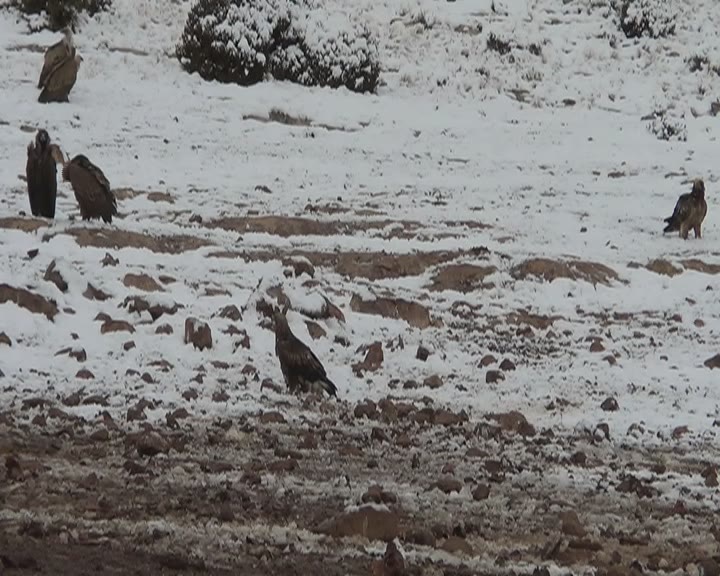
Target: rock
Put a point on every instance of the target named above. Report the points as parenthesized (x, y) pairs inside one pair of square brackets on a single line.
[(444, 417), (231, 312), (150, 444), (422, 353), (198, 333), (220, 396), (137, 412), (376, 494), (487, 360), (413, 313), (597, 346), (456, 545), (462, 277), (373, 359), (52, 274), (315, 330), (129, 345), (513, 421), (610, 405), (507, 365), (109, 260), (679, 431), (116, 326), (550, 270), (164, 329), (272, 417), (571, 525), (300, 266), (710, 474), (5, 339), (371, 521), (190, 394), (142, 282), (367, 409), (433, 382), (448, 484), (78, 353), (494, 376), (92, 293), (85, 374), (377, 434), (709, 567), (25, 299), (139, 304), (663, 267), (100, 435), (481, 492), (713, 362)]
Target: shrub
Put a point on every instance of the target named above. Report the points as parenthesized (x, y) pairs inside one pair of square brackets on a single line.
[(666, 128), (241, 41), (61, 13), (652, 18)]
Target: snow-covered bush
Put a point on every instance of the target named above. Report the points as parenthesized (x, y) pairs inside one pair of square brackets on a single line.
[(61, 13), (667, 128), (241, 41), (334, 53), (653, 18)]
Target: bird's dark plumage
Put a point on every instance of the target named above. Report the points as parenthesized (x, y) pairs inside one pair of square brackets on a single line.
[(689, 213), (91, 188), (41, 173), (393, 561), (56, 55), (61, 80), (302, 370)]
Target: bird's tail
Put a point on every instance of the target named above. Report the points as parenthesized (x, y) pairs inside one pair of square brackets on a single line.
[(327, 385), (671, 224)]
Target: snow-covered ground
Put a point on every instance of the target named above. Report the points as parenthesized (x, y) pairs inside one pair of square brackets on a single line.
[(444, 144)]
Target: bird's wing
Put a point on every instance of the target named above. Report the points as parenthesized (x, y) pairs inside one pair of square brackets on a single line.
[(683, 208), (297, 356), (62, 78), (91, 188), (54, 56)]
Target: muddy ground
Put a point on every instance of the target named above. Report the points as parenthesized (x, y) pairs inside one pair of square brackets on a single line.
[(267, 494)]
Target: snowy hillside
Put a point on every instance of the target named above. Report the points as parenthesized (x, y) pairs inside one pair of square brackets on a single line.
[(498, 202)]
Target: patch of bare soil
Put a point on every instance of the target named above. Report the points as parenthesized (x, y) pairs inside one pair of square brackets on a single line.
[(35, 303), (550, 270), (114, 496), (658, 266), (700, 266), (413, 313), (115, 239), (26, 224), (462, 277)]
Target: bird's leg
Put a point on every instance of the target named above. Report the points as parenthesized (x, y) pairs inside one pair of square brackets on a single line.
[(697, 231), (684, 231)]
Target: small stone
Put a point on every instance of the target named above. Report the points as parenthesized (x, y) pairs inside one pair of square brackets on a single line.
[(448, 484), (597, 346), (116, 326), (373, 359), (142, 282), (422, 353), (610, 404), (164, 329), (100, 435), (52, 274), (713, 362), (377, 495), (150, 444), (230, 312), (190, 394), (421, 536), (272, 417), (109, 260), (5, 339), (494, 376), (367, 409), (129, 345), (456, 545), (487, 360), (92, 293), (507, 365), (315, 330), (85, 374), (198, 333), (433, 382), (679, 432), (481, 492)]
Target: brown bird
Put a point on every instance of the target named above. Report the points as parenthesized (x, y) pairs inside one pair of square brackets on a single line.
[(392, 563), (91, 187), (301, 369), (61, 80), (689, 212), (41, 172), (56, 54)]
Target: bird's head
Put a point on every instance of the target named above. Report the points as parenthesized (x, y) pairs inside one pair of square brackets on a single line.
[(699, 188), (67, 33), (42, 139), (280, 323)]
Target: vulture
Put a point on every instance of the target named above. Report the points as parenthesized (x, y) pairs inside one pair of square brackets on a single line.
[(56, 54), (60, 79), (91, 188), (301, 369), (393, 561), (41, 173), (689, 212)]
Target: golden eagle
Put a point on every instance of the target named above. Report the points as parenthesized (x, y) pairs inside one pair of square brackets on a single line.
[(301, 369), (56, 54), (689, 212), (91, 187), (41, 173)]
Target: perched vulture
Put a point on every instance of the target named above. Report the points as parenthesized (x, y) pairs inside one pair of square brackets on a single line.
[(41, 173), (61, 80), (301, 369), (91, 188), (56, 54), (393, 561), (689, 211)]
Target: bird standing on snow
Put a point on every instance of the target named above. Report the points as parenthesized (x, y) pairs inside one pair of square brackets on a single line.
[(60, 81), (301, 369), (392, 563), (91, 188), (41, 173), (689, 212), (56, 54)]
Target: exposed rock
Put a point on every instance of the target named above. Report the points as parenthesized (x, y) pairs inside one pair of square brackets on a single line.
[(713, 362), (422, 353), (494, 376), (370, 521), (571, 525), (92, 293), (513, 421), (367, 409), (109, 260), (456, 545), (610, 404), (164, 329), (550, 270), (116, 326), (373, 359), (198, 333), (315, 330), (300, 266), (448, 484), (481, 492), (139, 304), (30, 301), (142, 282), (487, 360), (230, 312), (272, 417), (597, 346), (5, 339), (150, 443), (421, 536), (84, 374), (507, 365), (433, 382), (413, 313), (462, 277), (78, 353), (376, 494), (52, 274), (129, 345)]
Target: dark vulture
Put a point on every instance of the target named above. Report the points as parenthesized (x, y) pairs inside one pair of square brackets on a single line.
[(301, 369), (56, 54), (393, 561), (41, 172), (91, 188), (61, 80), (689, 212)]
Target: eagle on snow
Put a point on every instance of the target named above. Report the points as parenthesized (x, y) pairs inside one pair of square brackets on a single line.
[(301, 369), (689, 212)]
